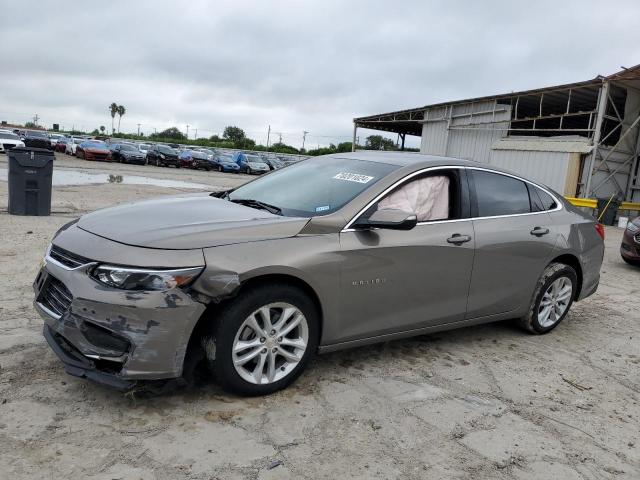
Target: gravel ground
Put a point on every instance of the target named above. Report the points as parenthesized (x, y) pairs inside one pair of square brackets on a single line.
[(481, 402)]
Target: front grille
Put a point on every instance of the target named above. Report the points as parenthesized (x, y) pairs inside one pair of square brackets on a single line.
[(55, 296), (66, 258), (8, 146)]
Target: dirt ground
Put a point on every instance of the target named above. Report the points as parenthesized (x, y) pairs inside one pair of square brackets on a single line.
[(476, 403)]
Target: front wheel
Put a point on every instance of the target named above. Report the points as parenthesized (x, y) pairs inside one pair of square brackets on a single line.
[(552, 299), (263, 339)]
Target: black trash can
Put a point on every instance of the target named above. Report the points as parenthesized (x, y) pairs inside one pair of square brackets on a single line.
[(609, 215), (30, 171)]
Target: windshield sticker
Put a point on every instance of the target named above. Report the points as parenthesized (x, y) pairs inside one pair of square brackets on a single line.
[(353, 177), (323, 208)]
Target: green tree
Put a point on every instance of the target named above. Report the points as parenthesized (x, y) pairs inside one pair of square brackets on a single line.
[(113, 108), (102, 129), (234, 134), (171, 133), (215, 139), (378, 142), (121, 112), (30, 125)]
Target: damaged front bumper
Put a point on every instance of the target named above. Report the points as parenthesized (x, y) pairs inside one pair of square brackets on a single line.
[(112, 336)]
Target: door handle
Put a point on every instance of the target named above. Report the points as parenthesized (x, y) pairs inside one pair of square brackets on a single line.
[(539, 231), (458, 239)]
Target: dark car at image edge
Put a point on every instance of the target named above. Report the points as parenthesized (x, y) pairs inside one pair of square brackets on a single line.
[(630, 246)]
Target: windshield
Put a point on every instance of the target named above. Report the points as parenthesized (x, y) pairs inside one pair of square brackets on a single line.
[(95, 144), (37, 134), (254, 159), (163, 149), (143, 146), (201, 155), (9, 136), (314, 187), (225, 158), (128, 147), (78, 140)]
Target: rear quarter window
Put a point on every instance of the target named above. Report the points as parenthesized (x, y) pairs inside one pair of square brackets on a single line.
[(498, 194)]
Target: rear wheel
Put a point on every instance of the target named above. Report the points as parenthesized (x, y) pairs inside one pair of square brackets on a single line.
[(263, 339), (552, 299)]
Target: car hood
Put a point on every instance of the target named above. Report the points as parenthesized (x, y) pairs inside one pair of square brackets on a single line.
[(188, 221), (96, 150)]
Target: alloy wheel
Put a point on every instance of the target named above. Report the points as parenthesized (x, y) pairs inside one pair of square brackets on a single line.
[(555, 301), (270, 343)]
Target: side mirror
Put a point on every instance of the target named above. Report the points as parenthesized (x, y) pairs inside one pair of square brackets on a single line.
[(389, 218)]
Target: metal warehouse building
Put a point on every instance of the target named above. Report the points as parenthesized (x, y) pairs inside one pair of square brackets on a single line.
[(580, 139)]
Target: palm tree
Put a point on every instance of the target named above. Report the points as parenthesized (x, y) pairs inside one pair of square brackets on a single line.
[(113, 108), (121, 112), (102, 129)]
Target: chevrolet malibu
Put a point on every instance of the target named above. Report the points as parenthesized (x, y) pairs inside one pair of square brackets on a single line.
[(332, 252)]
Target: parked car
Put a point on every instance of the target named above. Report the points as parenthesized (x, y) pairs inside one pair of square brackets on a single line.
[(630, 247), (127, 153), (8, 141), (273, 162), (223, 162), (195, 159), (162, 155), (330, 253), (36, 139), (94, 150), (72, 145), (250, 163), (61, 145), (54, 138), (144, 148)]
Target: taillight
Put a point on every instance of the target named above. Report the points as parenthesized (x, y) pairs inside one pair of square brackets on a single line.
[(600, 230)]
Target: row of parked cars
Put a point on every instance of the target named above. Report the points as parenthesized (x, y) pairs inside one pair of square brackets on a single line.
[(162, 155)]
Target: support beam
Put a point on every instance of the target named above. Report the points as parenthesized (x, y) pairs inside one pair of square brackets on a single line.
[(603, 95), (355, 132)]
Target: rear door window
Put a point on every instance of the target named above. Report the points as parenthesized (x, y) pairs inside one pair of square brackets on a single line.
[(498, 194)]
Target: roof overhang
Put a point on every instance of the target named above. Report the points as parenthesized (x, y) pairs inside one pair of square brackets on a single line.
[(410, 121)]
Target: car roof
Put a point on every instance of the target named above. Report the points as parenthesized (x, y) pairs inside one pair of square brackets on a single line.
[(401, 159)]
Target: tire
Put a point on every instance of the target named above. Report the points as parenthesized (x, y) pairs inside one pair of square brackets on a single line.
[(230, 327), (556, 274)]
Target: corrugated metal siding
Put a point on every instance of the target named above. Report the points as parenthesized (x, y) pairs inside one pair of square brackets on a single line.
[(548, 168), (471, 144)]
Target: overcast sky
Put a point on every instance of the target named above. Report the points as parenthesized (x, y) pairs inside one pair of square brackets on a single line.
[(296, 65)]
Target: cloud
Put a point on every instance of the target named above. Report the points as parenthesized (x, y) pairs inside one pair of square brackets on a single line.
[(294, 65)]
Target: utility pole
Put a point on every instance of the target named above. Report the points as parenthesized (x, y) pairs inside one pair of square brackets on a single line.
[(35, 119), (280, 137), (304, 137), (187, 131), (195, 137), (268, 135), (139, 129), (155, 131)]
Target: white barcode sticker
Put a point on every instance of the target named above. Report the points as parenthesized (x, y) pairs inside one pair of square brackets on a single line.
[(353, 177)]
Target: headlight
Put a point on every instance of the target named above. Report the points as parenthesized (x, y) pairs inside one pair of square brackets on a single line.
[(632, 227), (144, 279), (162, 156)]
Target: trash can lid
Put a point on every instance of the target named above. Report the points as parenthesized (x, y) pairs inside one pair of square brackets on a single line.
[(31, 157)]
